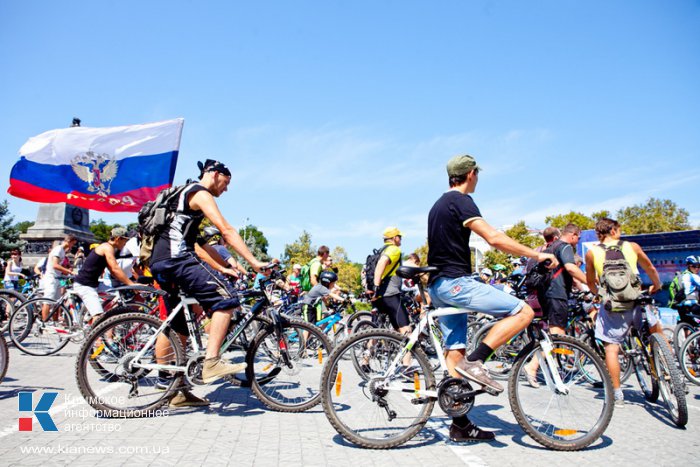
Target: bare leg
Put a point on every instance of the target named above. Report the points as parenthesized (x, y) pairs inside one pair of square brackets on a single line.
[(611, 360), (508, 327), (218, 326)]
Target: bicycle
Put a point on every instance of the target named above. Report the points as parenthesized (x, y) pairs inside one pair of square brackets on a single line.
[(689, 357), (656, 368), (67, 320), (277, 369), (385, 407), (683, 330)]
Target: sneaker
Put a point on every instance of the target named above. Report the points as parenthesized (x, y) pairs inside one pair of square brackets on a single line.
[(215, 368), (532, 379), (476, 372), (469, 434), (619, 401), (185, 398)]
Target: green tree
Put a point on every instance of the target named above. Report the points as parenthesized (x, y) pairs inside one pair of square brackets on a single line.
[(101, 230), (656, 215), (600, 214), (23, 226), (300, 251), (573, 217), (494, 257), (521, 234), (9, 235), (348, 272), (422, 252), (256, 241)]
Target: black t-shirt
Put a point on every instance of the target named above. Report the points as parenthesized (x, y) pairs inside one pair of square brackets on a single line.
[(92, 269), (561, 284), (448, 238)]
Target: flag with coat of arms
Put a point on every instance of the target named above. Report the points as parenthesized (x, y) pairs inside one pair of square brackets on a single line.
[(110, 169)]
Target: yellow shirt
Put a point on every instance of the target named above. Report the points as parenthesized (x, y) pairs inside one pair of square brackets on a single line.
[(627, 251), (394, 254)]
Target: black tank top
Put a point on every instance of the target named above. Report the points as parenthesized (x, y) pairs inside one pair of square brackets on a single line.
[(92, 269)]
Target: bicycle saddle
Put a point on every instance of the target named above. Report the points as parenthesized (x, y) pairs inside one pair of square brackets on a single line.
[(408, 272)]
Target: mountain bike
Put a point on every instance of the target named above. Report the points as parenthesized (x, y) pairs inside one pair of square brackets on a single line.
[(382, 405), (282, 374), (656, 368), (683, 330), (9, 301), (689, 357), (67, 319)]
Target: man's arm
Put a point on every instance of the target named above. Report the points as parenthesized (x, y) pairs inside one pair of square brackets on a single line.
[(113, 266), (591, 279), (210, 256), (57, 266), (648, 267), (204, 201), (503, 242)]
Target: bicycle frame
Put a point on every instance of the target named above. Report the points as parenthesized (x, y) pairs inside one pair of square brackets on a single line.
[(552, 377)]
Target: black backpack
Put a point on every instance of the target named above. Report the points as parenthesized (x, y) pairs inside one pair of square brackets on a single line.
[(371, 265), (537, 276), (155, 216)]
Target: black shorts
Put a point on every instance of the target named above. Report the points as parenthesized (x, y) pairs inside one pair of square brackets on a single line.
[(197, 280), (392, 306), (557, 311)]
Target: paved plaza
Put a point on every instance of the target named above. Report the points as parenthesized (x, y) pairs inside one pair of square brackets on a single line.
[(237, 429)]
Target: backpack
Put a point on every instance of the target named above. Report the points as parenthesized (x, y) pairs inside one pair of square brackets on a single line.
[(676, 291), (619, 285), (305, 275), (155, 216), (538, 277), (371, 265)]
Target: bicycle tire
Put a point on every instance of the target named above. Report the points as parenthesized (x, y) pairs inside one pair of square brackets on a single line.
[(128, 331), (680, 334), (358, 317), (557, 431), (356, 357), (6, 309), (671, 385), (34, 336), (689, 358), (642, 369), (288, 391), (338, 373), (4, 358)]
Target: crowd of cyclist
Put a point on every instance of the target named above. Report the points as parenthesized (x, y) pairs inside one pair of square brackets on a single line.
[(197, 262)]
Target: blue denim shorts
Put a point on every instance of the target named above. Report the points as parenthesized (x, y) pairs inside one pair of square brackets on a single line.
[(465, 292)]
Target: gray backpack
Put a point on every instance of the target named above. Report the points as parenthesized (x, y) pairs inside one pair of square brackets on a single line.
[(619, 285)]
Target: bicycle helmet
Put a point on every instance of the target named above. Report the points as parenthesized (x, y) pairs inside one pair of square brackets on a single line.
[(692, 260), (327, 277), (210, 231)]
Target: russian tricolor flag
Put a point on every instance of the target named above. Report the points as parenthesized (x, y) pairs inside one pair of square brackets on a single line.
[(106, 169)]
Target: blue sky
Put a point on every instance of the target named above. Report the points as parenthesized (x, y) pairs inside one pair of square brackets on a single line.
[(338, 117)]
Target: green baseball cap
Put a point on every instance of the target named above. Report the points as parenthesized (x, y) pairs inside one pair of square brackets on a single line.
[(460, 165)]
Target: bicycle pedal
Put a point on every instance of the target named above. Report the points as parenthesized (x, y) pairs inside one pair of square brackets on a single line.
[(490, 391), (420, 400)]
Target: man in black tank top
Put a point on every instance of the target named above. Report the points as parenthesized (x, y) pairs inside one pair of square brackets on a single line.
[(176, 264), (99, 258)]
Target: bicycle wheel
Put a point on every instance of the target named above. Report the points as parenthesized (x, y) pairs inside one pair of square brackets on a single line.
[(4, 358), (566, 420), (385, 410), (116, 388), (357, 318), (671, 384), (642, 369), (361, 356), (33, 335), (680, 334), (626, 367), (6, 309), (689, 358), (295, 359)]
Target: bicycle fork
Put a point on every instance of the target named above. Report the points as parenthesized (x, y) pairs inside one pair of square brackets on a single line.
[(549, 367)]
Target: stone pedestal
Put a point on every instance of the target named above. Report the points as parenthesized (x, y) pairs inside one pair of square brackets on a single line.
[(53, 222)]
